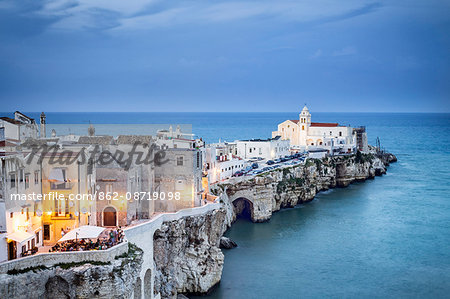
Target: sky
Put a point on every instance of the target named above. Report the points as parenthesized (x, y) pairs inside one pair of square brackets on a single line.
[(219, 56)]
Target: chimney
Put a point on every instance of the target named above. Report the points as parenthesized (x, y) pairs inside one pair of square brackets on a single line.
[(42, 134)]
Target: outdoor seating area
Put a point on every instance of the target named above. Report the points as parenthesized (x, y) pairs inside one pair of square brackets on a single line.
[(104, 240), (29, 252)]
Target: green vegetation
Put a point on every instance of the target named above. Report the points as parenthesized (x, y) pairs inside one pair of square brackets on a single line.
[(361, 158), (20, 271), (290, 182)]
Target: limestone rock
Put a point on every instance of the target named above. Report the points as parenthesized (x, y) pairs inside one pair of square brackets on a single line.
[(260, 196), (113, 280), (186, 254), (227, 243)]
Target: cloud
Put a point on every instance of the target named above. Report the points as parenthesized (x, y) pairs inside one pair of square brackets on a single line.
[(147, 14), (350, 50)]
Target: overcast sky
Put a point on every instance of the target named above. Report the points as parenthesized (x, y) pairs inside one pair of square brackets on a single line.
[(151, 55)]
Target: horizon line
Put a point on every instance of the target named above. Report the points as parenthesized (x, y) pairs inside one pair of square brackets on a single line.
[(378, 112)]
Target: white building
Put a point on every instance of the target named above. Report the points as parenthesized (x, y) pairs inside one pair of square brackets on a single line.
[(220, 164), (18, 128), (305, 134), (268, 149)]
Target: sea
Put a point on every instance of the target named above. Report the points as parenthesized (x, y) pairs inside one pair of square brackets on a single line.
[(383, 238)]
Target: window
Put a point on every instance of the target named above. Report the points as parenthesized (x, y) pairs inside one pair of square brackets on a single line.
[(180, 161), (109, 188), (36, 177), (179, 185), (331, 133), (90, 166), (61, 206), (303, 127), (12, 178), (198, 159), (27, 180), (340, 133), (260, 151), (37, 237), (250, 150), (21, 175), (2, 134)]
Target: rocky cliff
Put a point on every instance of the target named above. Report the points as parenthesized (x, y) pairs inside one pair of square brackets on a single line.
[(187, 255), (266, 193), (114, 279)]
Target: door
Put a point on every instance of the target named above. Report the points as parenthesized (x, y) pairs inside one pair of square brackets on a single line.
[(109, 216), (12, 254)]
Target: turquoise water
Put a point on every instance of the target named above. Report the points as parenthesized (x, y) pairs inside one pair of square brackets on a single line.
[(388, 237)]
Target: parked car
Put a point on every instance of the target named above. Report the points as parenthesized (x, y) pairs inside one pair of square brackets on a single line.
[(255, 165), (247, 169), (277, 160), (270, 162), (238, 173)]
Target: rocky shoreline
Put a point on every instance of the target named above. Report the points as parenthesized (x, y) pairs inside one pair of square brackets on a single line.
[(288, 187), (186, 256)]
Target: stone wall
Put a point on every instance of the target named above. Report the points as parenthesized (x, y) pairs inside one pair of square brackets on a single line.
[(54, 258), (112, 279)]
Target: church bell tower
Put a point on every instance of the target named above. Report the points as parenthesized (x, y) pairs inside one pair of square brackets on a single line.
[(303, 124)]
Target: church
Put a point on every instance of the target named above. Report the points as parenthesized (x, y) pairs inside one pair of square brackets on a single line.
[(306, 135)]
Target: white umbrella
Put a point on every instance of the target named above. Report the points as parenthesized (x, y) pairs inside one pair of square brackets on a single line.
[(83, 232)]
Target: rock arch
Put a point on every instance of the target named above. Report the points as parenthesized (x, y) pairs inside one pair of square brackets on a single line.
[(244, 208)]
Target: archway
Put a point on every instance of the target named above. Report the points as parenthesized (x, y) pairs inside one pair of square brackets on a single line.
[(148, 284), (243, 208), (109, 216)]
